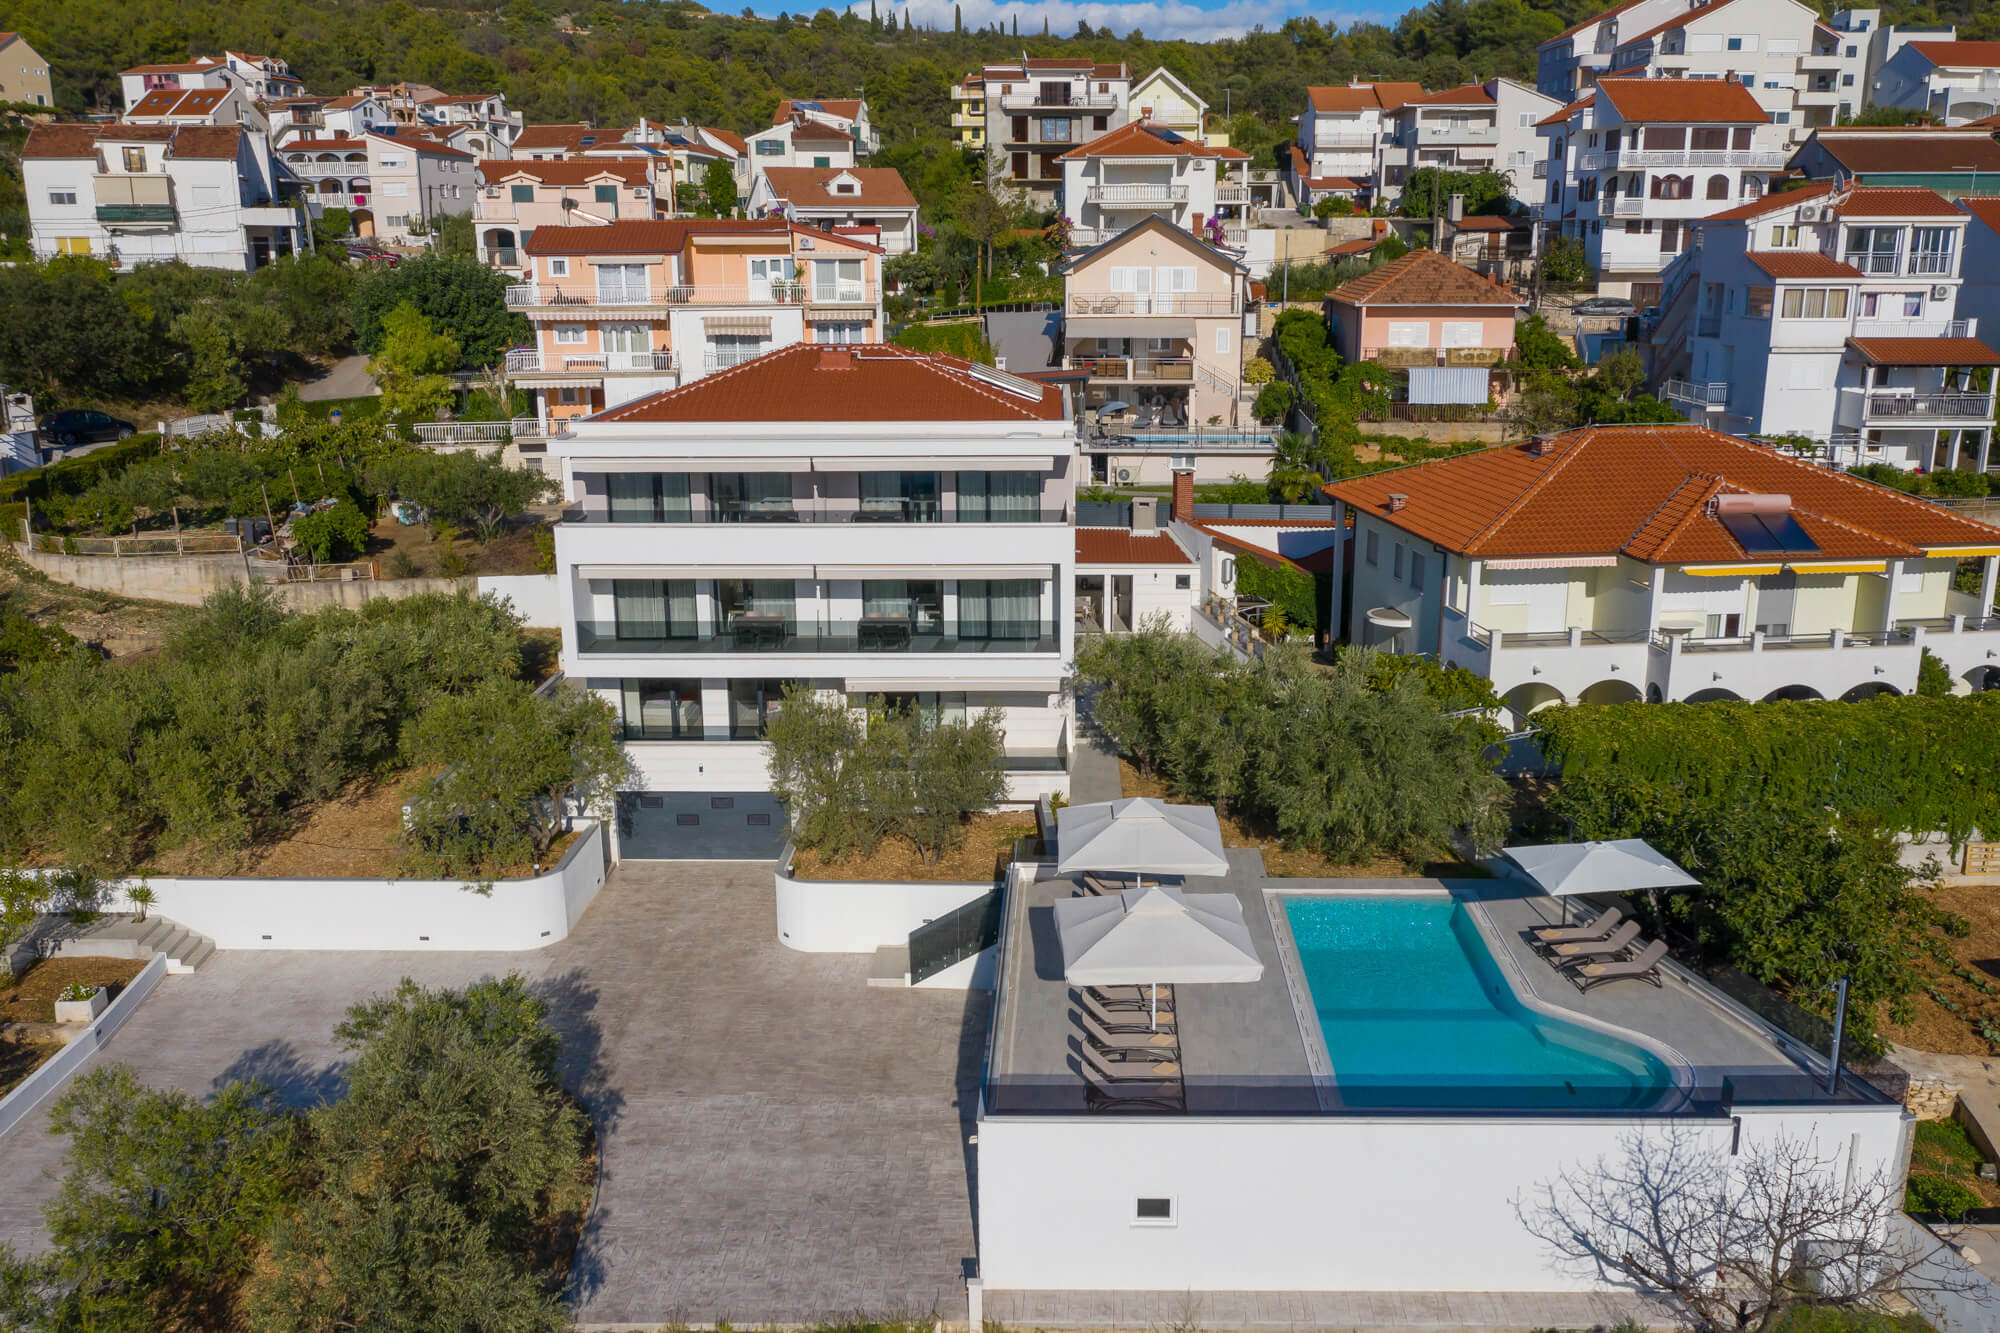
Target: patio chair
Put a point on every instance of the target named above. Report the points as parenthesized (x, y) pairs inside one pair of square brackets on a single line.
[(1098, 886), (1143, 1067), (1606, 922), (1142, 1019), (1121, 999), (1125, 1036), (1642, 966), (1610, 946)]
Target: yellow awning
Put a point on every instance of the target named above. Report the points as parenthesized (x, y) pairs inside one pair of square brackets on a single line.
[(1962, 551), (1843, 567), (1729, 571)]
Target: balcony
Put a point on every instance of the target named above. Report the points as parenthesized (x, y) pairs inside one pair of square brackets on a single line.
[(1146, 369), (1711, 396), (134, 199), (1323, 139), (1232, 194), (913, 512), (528, 361), (549, 296), (759, 632), (1914, 328), (1821, 61), (1063, 101), (1950, 407), (309, 167), (1435, 134), (1753, 159), (1597, 160), (1137, 196), (112, 215), (1628, 205), (1144, 305), (460, 433), (966, 120)]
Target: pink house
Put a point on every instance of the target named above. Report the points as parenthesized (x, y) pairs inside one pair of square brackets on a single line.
[(1423, 310)]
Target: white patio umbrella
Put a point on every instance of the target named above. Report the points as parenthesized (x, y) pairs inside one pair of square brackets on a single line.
[(1146, 936), (1566, 869), (1140, 836)]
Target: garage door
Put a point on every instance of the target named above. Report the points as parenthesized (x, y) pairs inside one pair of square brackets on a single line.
[(700, 826)]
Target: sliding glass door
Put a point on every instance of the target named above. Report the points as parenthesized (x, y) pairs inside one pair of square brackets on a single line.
[(999, 609), (999, 497), (648, 497), (653, 609)]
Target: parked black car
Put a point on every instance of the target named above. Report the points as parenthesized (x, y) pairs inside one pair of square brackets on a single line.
[(82, 426)]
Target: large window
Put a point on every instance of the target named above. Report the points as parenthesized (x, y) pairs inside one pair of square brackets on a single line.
[(999, 609), (899, 497), (648, 497), (1055, 129), (932, 710), (837, 280), (752, 704), (653, 609), (733, 349), (999, 497), (1873, 249), (751, 497), (1931, 250), (1815, 303), (909, 606), (521, 194), (661, 710), (746, 606)]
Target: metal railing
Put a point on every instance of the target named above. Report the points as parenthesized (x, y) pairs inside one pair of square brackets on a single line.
[(1713, 393), (1754, 158), (1956, 406), (790, 636), (1232, 194), (529, 362), (1144, 196), (1598, 160), (1865, 327), (1625, 205), (120, 548), (486, 432), (820, 511), (537, 294), (328, 168), (1062, 101), (954, 937), (1162, 303), (1133, 367)]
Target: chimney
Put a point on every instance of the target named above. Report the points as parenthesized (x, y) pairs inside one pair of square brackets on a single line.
[(1541, 446), (1398, 501), (832, 356), (1145, 513), (1184, 494)]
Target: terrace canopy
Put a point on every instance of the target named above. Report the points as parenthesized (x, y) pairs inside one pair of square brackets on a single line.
[(1140, 835), (1627, 865), (1147, 936)]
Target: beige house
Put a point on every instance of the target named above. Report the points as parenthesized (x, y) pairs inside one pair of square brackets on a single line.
[(1158, 319), (24, 75), (1167, 102)]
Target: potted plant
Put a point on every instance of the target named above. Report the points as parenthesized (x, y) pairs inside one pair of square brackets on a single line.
[(78, 1003)]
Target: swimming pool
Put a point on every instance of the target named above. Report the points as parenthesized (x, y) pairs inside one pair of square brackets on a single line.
[(1416, 1015)]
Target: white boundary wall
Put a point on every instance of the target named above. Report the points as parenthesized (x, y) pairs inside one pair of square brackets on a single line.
[(1324, 1203), (389, 914), (838, 916), (533, 596), (1975, 1310), (40, 1085)]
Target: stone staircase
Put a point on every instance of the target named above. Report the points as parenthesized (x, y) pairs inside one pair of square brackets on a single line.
[(119, 935), (890, 966)]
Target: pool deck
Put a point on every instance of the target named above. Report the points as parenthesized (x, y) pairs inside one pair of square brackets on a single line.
[(1243, 1049)]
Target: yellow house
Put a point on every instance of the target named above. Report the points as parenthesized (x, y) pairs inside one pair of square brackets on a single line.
[(1169, 102)]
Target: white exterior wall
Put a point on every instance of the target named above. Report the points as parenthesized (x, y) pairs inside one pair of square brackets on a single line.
[(1336, 1204), (1153, 591), (853, 916)]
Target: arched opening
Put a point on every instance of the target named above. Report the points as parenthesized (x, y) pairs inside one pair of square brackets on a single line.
[(1983, 678), (499, 239), (364, 223), (1713, 696), (1873, 689), (1653, 694), (1793, 694), (329, 186), (1752, 188), (1718, 187), (1530, 698), (1610, 692)]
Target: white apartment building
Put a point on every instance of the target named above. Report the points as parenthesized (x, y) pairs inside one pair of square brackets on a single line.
[(849, 115), (187, 75), (870, 203), (1339, 146), (264, 77), (1477, 127), (1143, 170), (1775, 48), (1636, 161), (1834, 314), (1568, 64), (134, 194), (866, 521), (1034, 111), (1957, 82), (799, 142)]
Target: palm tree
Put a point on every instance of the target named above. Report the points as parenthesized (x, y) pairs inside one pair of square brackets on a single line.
[(1298, 467)]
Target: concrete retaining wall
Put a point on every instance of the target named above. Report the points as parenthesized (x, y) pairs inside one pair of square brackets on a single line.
[(44, 1082), (533, 596), (839, 916), (387, 914), (186, 580)]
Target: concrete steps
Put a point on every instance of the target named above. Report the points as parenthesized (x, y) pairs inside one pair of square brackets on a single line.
[(119, 935), (890, 966)]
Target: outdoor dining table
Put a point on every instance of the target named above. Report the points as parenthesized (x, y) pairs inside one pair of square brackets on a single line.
[(883, 629), (758, 628)]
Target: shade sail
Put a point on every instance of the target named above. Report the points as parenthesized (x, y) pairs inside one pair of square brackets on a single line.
[(1627, 865), (1140, 835), (1155, 936)]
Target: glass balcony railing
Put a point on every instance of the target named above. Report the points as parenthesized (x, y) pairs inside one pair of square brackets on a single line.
[(808, 512), (782, 634)]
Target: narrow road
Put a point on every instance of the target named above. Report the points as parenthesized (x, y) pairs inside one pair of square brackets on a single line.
[(349, 378)]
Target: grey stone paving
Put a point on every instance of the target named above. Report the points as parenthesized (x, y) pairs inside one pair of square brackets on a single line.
[(1093, 766), (1486, 1311), (345, 378), (779, 1143)]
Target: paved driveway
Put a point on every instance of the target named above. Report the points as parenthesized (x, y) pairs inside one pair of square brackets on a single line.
[(778, 1142)]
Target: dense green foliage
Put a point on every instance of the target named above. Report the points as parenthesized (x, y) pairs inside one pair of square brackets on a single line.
[(1962, 483), (1428, 192), (72, 330), (415, 1200), (460, 488), (1294, 592), (462, 298), (250, 715), (849, 780), (966, 340), (1906, 762), (1325, 761), (336, 534)]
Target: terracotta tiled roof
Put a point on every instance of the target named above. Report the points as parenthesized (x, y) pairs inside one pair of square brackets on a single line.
[(1121, 546), (641, 236), (871, 382), (347, 103), (1802, 264), (462, 99), (1483, 222), (847, 108), (1956, 55), (1423, 277), (1683, 101), (1926, 351), (1985, 207), (813, 131), (183, 141), (1867, 202), (1139, 140), (200, 65), (1769, 204), (631, 171), (1300, 168), (1642, 491), (423, 143), (1467, 94), (1990, 123), (1583, 103), (568, 138), (6, 37), (174, 102), (734, 140), (1360, 245), (810, 187), (1677, 21), (1110, 71), (205, 141), (1366, 97), (1924, 150), (325, 146)]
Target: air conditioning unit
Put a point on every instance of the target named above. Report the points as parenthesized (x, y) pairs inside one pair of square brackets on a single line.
[(1809, 213), (1126, 476), (1940, 293), (805, 242)]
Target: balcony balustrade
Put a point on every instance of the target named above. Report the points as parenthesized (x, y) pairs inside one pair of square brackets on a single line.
[(773, 632)]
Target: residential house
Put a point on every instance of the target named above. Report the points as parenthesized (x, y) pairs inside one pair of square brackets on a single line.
[(24, 75), (1636, 161), (1130, 570), (1950, 161), (1039, 109), (1833, 314), (1159, 318), (1441, 324), (1957, 82), (1568, 64), (1620, 563), (206, 195), (517, 197), (968, 110), (683, 154), (264, 78), (1170, 104), (393, 185), (1496, 247), (552, 142), (1979, 271), (1479, 127), (1775, 49), (799, 142), (1867, 44), (197, 106), (1143, 170), (849, 115), (871, 203), (495, 127), (187, 75), (1339, 149), (636, 305), (402, 102), (866, 521), (354, 113)]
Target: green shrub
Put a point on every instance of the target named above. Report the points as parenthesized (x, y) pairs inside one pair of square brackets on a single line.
[(1285, 586), (1274, 401), (1938, 1196), (1946, 1141), (966, 340), (336, 534), (1836, 1319)]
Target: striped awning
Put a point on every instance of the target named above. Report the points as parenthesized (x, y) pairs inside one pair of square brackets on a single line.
[(1464, 386), (1555, 562), (757, 324), (838, 314)]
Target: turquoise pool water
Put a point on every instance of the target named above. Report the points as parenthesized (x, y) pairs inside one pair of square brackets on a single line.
[(1416, 1015)]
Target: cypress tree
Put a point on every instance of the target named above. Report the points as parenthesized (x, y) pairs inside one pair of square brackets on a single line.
[(957, 20), (874, 22)]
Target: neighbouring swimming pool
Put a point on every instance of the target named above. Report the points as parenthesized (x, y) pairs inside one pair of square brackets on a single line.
[(1416, 1015)]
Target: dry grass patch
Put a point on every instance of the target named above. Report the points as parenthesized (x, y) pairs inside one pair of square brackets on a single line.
[(32, 997), (21, 1055), (512, 550), (980, 858)]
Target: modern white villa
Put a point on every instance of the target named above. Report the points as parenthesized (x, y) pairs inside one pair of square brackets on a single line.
[(864, 518), (1620, 563)]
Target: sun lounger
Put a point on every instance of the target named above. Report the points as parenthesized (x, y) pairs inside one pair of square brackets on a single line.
[(1642, 966), (1120, 1021), (1609, 947), (1099, 885), (1125, 1029), (1606, 922), (1166, 1097), (1134, 1066), (1132, 997)]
